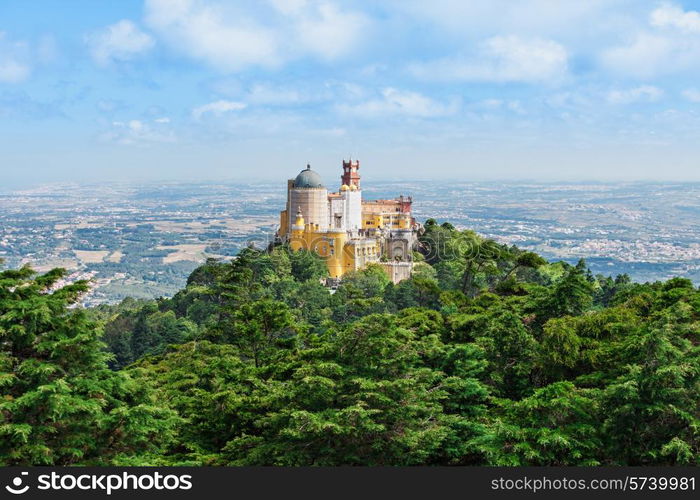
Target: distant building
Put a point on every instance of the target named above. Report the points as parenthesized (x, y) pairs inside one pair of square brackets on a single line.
[(346, 230)]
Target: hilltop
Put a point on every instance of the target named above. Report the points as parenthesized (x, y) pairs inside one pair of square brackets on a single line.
[(487, 355), (155, 235)]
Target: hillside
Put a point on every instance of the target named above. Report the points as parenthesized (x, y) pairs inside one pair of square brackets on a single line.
[(488, 355)]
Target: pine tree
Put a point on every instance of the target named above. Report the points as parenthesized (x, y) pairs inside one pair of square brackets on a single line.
[(60, 404), (554, 426), (362, 396), (651, 410), (570, 296)]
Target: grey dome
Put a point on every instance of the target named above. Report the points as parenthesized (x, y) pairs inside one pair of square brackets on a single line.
[(308, 179)]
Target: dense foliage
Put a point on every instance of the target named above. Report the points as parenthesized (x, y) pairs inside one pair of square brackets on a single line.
[(488, 355), (61, 405)]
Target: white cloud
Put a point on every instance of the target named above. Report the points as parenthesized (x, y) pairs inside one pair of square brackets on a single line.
[(289, 6), (268, 94), (499, 105), (693, 95), (569, 22), (217, 108), (328, 32), (669, 44), (138, 132), (645, 93), (12, 71), (644, 57), (489, 104), (110, 106), (15, 66), (230, 36), (502, 59), (399, 102), (673, 16), (135, 125), (271, 94), (121, 41), (203, 31)]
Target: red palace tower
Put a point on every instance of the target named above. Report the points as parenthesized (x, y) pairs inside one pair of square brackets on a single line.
[(351, 174)]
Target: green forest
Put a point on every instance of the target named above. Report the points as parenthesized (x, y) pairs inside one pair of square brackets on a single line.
[(488, 355)]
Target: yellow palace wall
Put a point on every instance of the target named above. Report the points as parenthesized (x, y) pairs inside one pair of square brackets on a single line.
[(334, 248)]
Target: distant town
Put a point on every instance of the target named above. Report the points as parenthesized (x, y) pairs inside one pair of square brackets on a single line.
[(143, 240)]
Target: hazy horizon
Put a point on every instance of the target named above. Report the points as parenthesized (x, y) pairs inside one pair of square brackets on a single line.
[(331, 182)]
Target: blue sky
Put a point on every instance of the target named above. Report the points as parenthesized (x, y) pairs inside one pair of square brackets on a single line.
[(472, 89)]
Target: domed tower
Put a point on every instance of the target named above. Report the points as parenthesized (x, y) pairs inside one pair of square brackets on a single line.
[(310, 197)]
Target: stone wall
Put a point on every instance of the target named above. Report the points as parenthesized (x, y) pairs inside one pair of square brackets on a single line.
[(398, 271)]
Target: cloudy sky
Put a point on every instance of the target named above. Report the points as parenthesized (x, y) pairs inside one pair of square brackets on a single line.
[(471, 89)]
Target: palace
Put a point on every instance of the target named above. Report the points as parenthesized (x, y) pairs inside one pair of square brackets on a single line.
[(347, 231)]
